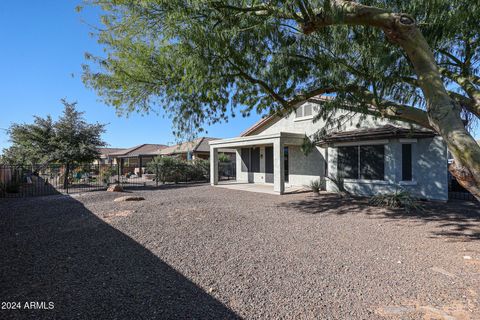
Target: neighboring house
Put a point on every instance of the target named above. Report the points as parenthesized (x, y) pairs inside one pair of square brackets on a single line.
[(137, 158), (379, 156), (106, 155), (190, 150)]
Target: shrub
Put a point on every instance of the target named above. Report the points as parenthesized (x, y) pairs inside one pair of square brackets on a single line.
[(171, 169), (222, 157), (199, 169), (316, 185), (106, 173), (398, 199), (339, 183)]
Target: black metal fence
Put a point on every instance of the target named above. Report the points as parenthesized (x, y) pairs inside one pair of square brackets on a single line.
[(456, 191), (227, 170), (47, 179)]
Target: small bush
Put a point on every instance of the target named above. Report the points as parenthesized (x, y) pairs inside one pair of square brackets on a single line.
[(172, 169), (222, 157), (106, 173), (398, 199), (316, 185), (339, 183)]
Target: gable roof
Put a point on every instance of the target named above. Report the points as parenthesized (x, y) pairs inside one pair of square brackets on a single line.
[(196, 145), (140, 150), (260, 124), (109, 151), (384, 132)]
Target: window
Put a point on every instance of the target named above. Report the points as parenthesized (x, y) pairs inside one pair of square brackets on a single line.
[(348, 162), (245, 154), (250, 159), (307, 110), (372, 162), (255, 159), (304, 110), (268, 159), (362, 162), (299, 112), (406, 162)]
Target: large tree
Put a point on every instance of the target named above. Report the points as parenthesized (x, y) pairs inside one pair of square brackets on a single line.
[(415, 61), (68, 140)]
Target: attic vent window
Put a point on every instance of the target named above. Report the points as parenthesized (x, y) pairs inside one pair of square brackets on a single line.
[(305, 110)]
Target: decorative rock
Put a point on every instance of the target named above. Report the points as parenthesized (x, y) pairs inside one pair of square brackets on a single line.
[(115, 188), (129, 198)]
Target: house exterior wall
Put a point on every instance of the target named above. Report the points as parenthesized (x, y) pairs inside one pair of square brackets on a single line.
[(429, 171), (305, 125), (429, 159), (302, 169), (252, 177)]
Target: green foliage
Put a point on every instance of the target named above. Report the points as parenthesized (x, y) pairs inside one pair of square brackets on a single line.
[(316, 185), (106, 173), (222, 157), (398, 199), (338, 181), (202, 59), (70, 139), (307, 146), (173, 169), (199, 169)]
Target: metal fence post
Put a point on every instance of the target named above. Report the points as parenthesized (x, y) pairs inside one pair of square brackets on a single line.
[(67, 179), (118, 174)]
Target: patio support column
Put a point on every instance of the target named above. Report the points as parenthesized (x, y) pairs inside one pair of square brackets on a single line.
[(278, 166), (213, 166)]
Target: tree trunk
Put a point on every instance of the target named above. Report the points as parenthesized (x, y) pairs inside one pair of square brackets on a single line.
[(443, 112)]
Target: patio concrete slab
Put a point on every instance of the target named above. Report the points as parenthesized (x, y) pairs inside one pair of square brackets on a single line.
[(259, 187)]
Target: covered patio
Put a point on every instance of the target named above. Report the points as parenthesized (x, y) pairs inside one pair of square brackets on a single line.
[(262, 160)]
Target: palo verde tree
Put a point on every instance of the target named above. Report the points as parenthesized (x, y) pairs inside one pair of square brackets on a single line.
[(415, 61), (68, 140)]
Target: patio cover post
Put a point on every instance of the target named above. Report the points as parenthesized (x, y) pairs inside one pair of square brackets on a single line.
[(278, 166), (213, 166)]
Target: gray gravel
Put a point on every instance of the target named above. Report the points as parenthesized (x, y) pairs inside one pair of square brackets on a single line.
[(209, 253)]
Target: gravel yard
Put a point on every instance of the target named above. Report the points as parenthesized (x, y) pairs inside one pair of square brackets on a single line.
[(212, 253)]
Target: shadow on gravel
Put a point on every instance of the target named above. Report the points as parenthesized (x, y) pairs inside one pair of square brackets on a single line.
[(458, 220), (56, 250), (167, 186)]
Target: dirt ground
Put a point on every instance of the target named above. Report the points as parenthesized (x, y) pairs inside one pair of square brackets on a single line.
[(196, 251)]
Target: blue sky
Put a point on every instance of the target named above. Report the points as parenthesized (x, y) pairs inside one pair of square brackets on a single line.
[(43, 46)]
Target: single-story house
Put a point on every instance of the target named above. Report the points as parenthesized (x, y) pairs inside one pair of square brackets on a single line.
[(191, 150), (106, 155), (137, 158), (366, 155)]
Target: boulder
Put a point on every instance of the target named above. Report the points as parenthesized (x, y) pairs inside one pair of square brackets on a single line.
[(115, 188), (129, 198)]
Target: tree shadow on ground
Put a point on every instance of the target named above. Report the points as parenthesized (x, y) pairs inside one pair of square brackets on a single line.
[(166, 186), (54, 249), (456, 219)]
